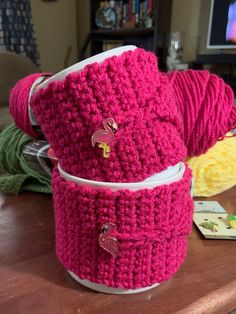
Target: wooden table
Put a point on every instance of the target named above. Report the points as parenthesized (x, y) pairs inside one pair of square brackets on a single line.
[(33, 281)]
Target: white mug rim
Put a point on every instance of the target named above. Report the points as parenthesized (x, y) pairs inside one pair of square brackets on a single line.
[(133, 186)]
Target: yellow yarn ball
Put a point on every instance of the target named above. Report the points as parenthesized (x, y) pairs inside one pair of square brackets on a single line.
[(215, 171)]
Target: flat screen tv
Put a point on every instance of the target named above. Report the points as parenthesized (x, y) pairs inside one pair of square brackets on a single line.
[(222, 25)]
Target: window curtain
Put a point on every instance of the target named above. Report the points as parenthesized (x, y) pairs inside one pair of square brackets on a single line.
[(17, 32)]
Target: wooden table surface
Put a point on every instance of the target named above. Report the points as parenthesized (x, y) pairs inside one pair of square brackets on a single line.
[(33, 281)]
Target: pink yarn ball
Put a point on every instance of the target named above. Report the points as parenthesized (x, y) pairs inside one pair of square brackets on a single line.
[(206, 105), (18, 102)]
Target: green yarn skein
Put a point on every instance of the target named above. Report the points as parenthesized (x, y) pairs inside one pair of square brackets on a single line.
[(20, 176)]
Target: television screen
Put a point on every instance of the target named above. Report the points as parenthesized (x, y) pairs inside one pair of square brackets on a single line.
[(222, 24)]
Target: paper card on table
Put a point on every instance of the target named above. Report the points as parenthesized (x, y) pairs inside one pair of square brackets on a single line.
[(208, 207), (222, 229)]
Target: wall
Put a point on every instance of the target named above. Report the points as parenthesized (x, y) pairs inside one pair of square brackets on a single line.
[(185, 18), (56, 31), (203, 27), (83, 21)]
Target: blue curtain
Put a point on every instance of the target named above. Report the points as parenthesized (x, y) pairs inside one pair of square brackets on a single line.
[(17, 29)]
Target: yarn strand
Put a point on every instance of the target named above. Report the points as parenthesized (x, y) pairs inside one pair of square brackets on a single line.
[(206, 105), (19, 176), (18, 103)]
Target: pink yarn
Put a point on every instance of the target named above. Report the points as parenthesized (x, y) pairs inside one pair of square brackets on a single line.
[(19, 97), (206, 105), (152, 227)]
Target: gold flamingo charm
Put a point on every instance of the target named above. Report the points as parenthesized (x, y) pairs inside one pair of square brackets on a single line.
[(105, 136)]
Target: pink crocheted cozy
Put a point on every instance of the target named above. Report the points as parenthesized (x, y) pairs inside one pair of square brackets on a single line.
[(155, 126), (151, 229), (128, 89)]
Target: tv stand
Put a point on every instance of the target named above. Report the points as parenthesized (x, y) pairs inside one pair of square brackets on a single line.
[(218, 59), (215, 59)]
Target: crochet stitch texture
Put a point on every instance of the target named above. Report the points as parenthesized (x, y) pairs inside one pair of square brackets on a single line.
[(151, 229), (128, 89)]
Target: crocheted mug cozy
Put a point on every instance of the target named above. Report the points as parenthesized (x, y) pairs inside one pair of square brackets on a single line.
[(128, 89), (123, 239), (151, 229)]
